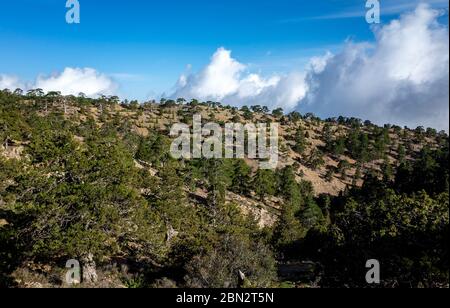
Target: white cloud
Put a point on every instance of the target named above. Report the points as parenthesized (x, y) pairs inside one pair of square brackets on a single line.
[(218, 80), (388, 7), (72, 81), (227, 80), (403, 79), (9, 82)]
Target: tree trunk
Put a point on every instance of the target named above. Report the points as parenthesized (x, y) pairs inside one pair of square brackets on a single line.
[(171, 233), (89, 269)]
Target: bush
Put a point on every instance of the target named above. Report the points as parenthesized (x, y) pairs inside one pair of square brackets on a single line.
[(220, 266)]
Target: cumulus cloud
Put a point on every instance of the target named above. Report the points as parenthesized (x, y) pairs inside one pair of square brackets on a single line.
[(9, 82), (72, 81), (400, 78), (227, 80), (403, 78)]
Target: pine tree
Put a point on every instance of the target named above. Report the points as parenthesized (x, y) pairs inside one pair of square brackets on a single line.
[(300, 142), (218, 175), (241, 179), (264, 183)]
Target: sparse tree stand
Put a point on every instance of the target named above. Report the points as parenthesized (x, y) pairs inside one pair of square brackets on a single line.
[(100, 192)]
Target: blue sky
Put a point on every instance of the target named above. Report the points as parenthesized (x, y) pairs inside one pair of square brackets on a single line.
[(146, 45)]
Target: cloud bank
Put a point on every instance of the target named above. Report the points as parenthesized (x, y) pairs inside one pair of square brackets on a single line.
[(71, 81), (9, 82), (226, 80), (402, 78)]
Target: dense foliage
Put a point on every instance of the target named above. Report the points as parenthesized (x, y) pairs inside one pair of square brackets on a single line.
[(87, 183)]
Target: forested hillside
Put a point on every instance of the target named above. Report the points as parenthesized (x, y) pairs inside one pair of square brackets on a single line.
[(93, 180)]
